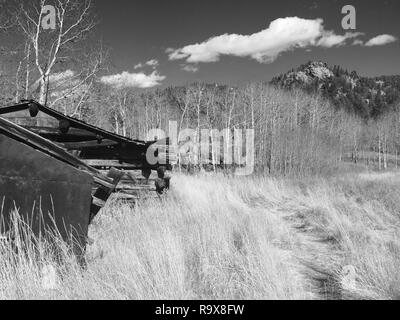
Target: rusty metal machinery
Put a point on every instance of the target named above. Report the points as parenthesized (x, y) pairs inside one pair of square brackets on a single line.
[(96, 147), (48, 187)]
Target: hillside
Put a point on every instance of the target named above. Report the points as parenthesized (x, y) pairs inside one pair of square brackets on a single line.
[(367, 97)]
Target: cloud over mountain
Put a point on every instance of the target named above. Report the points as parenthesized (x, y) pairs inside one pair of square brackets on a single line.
[(381, 40), (282, 35), (330, 39)]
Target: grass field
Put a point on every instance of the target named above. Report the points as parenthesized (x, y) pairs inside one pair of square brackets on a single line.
[(215, 237)]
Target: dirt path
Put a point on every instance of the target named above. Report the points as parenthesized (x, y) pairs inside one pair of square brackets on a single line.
[(318, 255)]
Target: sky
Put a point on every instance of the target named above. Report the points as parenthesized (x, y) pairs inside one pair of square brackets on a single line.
[(175, 42)]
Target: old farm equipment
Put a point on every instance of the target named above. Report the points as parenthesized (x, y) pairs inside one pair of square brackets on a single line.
[(48, 186), (96, 147)]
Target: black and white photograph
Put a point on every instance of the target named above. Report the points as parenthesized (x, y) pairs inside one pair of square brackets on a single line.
[(215, 152)]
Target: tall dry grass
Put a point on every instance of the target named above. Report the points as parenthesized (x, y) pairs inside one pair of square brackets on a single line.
[(218, 237)]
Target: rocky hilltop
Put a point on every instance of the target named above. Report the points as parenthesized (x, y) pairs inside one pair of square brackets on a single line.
[(367, 97)]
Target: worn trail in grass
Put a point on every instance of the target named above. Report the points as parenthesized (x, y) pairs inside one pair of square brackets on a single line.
[(346, 230)]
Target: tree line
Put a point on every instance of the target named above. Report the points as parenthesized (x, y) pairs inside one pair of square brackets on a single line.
[(295, 132)]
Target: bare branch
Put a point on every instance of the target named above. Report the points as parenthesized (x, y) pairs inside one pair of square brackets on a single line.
[(74, 22)]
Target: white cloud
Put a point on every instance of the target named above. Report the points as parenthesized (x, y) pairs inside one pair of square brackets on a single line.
[(358, 42), (190, 68), (282, 35), (133, 80), (153, 63), (330, 39), (381, 40)]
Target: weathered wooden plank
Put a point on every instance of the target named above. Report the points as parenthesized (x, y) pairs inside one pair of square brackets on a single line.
[(103, 193)]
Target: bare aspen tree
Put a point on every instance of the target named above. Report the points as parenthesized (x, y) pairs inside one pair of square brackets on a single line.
[(17, 81), (73, 22), (74, 91), (27, 67)]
